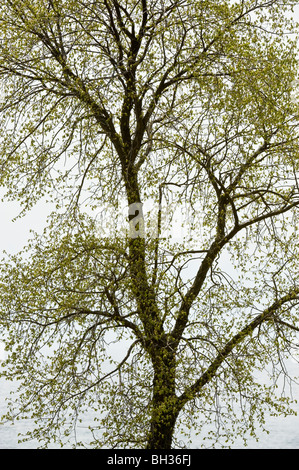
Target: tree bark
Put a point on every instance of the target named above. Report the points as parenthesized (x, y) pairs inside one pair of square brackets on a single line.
[(164, 405)]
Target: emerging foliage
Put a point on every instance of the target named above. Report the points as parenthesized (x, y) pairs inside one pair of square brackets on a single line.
[(166, 134)]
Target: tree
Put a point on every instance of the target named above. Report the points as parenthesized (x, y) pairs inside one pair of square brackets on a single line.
[(168, 108)]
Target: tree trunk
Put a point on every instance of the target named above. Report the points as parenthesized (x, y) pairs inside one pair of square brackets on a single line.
[(164, 405), (162, 427)]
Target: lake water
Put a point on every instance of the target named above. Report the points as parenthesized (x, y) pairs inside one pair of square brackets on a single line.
[(284, 432)]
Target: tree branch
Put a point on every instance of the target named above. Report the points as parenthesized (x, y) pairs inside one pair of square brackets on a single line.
[(211, 371)]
